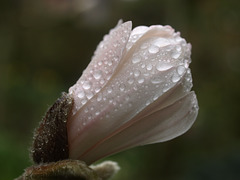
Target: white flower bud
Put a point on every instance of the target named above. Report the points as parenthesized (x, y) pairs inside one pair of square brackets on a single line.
[(135, 91)]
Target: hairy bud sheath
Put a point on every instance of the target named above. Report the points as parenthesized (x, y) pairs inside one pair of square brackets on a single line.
[(50, 139)]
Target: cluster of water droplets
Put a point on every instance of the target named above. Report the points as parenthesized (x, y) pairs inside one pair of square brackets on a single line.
[(104, 62), (153, 67)]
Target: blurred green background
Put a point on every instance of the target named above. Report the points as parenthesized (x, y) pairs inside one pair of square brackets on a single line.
[(46, 44)]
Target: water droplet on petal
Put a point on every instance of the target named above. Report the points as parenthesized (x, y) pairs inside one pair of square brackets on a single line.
[(176, 54), (143, 66), (97, 89), (155, 97), (109, 90), (148, 102), (130, 80), (153, 49), (162, 66), (97, 113), (178, 48), (135, 60), (84, 101), (137, 73), (149, 67), (81, 94), (156, 80), (122, 87), (175, 78), (89, 95), (161, 42), (186, 63), (180, 70), (86, 110), (141, 80), (166, 88), (179, 39), (99, 98), (102, 81), (109, 63), (86, 85), (135, 88), (97, 74)]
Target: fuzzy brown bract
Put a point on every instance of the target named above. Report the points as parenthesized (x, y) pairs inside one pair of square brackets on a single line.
[(50, 142)]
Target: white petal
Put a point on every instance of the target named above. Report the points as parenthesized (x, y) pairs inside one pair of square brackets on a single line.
[(162, 125), (102, 66), (148, 72)]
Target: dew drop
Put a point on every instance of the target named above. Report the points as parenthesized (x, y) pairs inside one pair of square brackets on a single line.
[(137, 73), (99, 98), (162, 66), (130, 80), (109, 63), (109, 90), (86, 110), (86, 85), (84, 101), (102, 81), (153, 49), (156, 80), (97, 113), (97, 89), (97, 74), (116, 58), (178, 39), (81, 94), (149, 67), (176, 54), (161, 42), (180, 70), (186, 63), (155, 97), (89, 95), (166, 88), (148, 102), (178, 48), (175, 78), (146, 74), (135, 60), (141, 80), (123, 40), (122, 87)]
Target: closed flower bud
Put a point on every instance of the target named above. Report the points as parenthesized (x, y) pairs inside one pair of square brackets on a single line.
[(135, 91)]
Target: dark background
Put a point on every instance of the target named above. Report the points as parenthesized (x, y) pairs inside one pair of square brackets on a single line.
[(46, 44)]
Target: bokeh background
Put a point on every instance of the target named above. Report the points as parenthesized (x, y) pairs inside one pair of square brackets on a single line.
[(46, 44)]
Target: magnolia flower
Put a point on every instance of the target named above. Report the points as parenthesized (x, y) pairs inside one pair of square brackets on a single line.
[(135, 91)]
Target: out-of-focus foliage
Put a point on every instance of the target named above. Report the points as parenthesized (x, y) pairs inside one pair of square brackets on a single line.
[(46, 44)]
